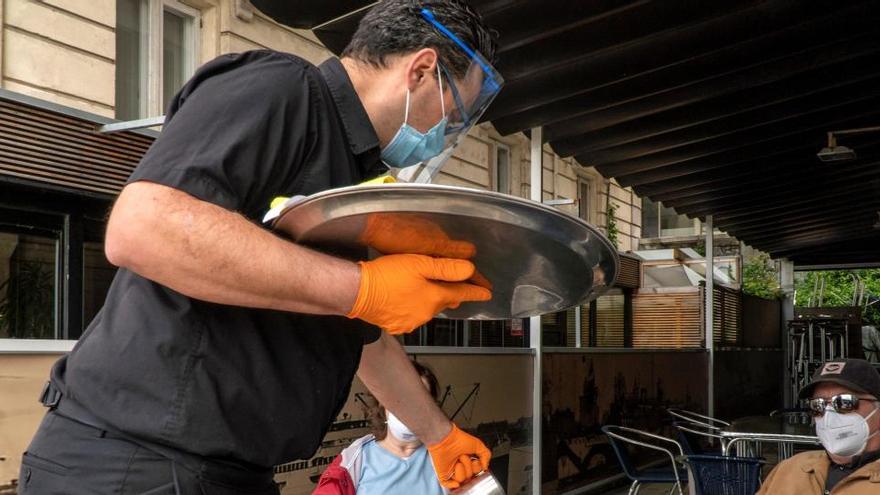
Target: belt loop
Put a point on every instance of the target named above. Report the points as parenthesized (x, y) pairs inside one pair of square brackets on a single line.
[(50, 396)]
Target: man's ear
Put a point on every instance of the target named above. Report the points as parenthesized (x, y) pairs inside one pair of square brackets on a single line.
[(421, 68)]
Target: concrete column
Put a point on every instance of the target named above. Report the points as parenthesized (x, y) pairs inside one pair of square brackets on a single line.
[(537, 178)]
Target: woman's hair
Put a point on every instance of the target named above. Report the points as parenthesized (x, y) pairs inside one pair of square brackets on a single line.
[(377, 416)]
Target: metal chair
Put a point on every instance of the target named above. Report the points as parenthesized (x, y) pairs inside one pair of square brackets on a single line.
[(724, 475), (706, 426), (698, 419), (793, 415), (690, 437), (621, 436)]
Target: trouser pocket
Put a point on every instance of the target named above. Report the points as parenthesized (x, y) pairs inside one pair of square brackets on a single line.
[(39, 476)]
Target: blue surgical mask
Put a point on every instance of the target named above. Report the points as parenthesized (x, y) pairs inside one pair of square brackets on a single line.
[(409, 146)]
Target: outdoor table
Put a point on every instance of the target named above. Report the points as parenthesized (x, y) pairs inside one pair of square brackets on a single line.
[(784, 430)]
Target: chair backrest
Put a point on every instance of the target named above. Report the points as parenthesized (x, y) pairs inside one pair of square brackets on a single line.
[(620, 436), (622, 452), (692, 437), (724, 475), (697, 418)]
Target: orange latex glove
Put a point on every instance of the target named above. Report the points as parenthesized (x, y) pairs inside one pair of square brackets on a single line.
[(458, 457), (399, 292), (411, 234)]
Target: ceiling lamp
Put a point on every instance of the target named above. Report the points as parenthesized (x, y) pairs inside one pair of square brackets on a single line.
[(835, 153)]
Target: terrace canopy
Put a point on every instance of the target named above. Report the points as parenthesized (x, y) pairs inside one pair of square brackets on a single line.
[(713, 108)]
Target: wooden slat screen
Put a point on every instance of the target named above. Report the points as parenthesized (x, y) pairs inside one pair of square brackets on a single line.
[(630, 275), (609, 319), (570, 337), (52, 148), (726, 316), (668, 318)]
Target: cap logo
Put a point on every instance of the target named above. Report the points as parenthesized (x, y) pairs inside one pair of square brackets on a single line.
[(833, 368)]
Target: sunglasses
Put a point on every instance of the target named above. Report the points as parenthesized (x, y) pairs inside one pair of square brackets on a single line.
[(842, 403)]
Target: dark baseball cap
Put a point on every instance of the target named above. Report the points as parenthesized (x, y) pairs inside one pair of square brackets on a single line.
[(855, 374)]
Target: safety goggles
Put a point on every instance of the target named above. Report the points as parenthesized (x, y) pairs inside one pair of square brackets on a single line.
[(472, 95), (842, 403)]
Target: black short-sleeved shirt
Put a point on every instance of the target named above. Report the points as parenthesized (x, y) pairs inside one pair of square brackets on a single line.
[(226, 382)]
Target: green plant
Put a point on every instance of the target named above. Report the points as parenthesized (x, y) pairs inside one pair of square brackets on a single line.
[(838, 288), (760, 277), (26, 309), (611, 230)]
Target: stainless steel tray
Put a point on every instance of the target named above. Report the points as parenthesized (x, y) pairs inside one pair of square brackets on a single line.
[(538, 260)]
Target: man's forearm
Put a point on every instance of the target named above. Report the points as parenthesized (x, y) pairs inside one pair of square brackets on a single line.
[(206, 252), (386, 371)]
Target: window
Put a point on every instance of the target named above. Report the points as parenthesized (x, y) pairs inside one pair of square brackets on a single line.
[(30, 270), (472, 333), (672, 224), (554, 331), (661, 221), (53, 272), (156, 52), (650, 218), (502, 168), (609, 331), (584, 200)]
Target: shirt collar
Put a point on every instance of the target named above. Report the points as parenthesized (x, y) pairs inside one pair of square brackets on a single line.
[(361, 136), (860, 461)]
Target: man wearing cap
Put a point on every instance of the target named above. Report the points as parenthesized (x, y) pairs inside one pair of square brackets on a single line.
[(223, 349), (843, 398)]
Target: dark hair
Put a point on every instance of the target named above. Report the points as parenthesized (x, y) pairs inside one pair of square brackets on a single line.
[(377, 417), (395, 27)]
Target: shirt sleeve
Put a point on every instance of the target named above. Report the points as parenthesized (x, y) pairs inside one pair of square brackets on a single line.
[(371, 333), (237, 131)]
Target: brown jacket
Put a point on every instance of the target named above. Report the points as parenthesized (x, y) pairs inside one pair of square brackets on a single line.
[(805, 474)]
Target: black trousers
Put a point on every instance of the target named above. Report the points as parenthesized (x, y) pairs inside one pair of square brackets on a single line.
[(72, 458)]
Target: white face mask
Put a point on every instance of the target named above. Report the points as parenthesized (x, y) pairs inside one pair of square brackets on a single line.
[(844, 435), (399, 430)]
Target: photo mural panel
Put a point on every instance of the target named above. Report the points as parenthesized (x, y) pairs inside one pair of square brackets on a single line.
[(486, 395), (583, 392)]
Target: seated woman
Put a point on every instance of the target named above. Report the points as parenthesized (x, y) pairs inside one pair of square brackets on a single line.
[(390, 461)]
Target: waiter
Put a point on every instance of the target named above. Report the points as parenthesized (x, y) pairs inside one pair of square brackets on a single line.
[(223, 349)]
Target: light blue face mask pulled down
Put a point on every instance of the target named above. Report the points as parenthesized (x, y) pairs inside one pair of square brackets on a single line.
[(409, 146)]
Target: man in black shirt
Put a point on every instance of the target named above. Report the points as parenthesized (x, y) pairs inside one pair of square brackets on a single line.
[(223, 349)]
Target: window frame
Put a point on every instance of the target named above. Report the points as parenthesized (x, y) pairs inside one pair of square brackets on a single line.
[(78, 219), (583, 203), (495, 185), (152, 88)]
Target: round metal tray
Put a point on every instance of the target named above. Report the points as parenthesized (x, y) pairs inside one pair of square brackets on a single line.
[(537, 259)]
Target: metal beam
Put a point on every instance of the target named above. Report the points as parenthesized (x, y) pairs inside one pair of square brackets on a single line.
[(770, 177), (826, 82), (776, 120), (787, 227), (779, 189), (130, 125), (565, 133), (820, 238), (731, 208), (709, 312), (782, 148), (678, 56), (751, 143)]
